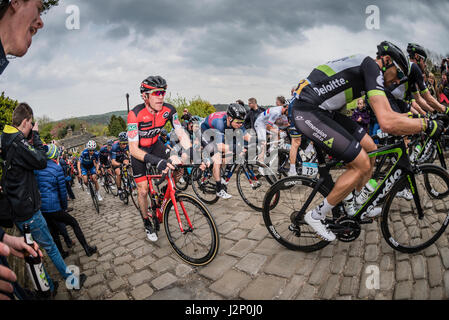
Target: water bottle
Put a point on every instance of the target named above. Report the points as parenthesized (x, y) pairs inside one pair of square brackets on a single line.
[(366, 192), (35, 267), (416, 151)]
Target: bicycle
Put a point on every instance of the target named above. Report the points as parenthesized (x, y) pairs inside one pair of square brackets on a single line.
[(129, 187), (92, 192), (109, 181), (403, 222), (188, 224)]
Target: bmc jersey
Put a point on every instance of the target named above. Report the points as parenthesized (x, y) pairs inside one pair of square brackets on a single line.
[(331, 86), (118, 154), (87, 160), (270, 116), (145, 127)]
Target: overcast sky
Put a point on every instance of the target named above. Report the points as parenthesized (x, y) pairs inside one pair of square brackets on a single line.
[(221, 50)]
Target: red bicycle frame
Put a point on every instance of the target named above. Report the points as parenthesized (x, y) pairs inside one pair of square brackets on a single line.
[(170, 193)]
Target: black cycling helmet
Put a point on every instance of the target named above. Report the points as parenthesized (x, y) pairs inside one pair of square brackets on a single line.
[(153, 82), (110, 143), (386, 48), (164, 132), (413, 48), (123, 137), (236, 111)]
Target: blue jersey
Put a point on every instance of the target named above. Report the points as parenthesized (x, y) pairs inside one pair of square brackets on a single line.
[(118, 154), (104, 152), (217, 121), (87, 160)]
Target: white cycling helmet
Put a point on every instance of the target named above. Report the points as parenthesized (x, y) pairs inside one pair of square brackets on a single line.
[(91, 145)]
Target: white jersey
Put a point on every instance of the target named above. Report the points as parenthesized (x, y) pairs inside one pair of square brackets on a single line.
[(270, 116)]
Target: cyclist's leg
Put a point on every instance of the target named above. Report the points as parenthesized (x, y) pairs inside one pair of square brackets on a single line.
[(93, 173), (261, 131), (84, 174), (295, 136), (118, 180)]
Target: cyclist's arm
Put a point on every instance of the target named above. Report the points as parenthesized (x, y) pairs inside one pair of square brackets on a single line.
[(115, 163), (415, 108), (422, 103), (433, 102), (392, 122)]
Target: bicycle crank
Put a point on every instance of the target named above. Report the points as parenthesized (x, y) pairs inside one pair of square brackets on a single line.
[(346, 230)]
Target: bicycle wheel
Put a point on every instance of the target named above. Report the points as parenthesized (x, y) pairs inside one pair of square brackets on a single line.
[(198, 245), (94, 197), (125, 195), (112, 184), (401, 227), (204, 186), (253, 186), (292, 194), (132, 192), (183, 183)]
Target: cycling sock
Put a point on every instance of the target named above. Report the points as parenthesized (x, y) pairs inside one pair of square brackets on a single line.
[(219, 186), (320, 212), (292, 167)]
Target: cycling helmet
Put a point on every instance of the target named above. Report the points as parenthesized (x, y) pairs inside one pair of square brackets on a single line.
[(110, 143), (153, 82), (386, 48), (91, 145), (164, 132), (123, 137), (413, 48), (236, 111)]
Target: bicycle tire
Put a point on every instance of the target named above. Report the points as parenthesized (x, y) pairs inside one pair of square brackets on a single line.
[(130, 192), (183, 186), (202, 189), (111, 179), (278, 224), (253, 200), (172, 230), (391, 223), (125, 191), (94, 197)]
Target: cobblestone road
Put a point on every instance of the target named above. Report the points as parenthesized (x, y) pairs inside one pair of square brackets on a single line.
[(250, 264)]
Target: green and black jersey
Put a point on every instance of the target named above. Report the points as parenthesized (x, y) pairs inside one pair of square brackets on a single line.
[(332, 85), (413, 85)]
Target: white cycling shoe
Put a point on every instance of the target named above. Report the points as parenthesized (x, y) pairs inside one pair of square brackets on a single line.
[(224, 195), (292, 174), (151, 235), (319, 227), (99, 197), (372, 214)]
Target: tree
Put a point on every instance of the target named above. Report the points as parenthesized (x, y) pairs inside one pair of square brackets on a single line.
[(7, 106), (116, 125)]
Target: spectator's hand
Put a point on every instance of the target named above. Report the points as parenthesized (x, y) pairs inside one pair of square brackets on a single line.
[(17, 246), (359, 119), (36, 127), (6, 274)]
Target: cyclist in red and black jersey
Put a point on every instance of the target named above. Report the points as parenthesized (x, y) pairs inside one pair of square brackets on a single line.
[(145, 123)]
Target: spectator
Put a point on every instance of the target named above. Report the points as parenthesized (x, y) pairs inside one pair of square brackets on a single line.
[(432, 85), (361, 115), (20, 183), (254, 111), (16, 21), (444, 65), (443, 89), (51, 184), (186, 115), (240, 102), (63, 162)]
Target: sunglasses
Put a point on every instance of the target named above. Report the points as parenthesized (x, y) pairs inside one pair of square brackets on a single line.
[(238, 121), (157, 92)]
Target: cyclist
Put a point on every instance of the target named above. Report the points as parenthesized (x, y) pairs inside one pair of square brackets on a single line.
[(266, 121), (89, 162), (119, 156), (232, 119), (315, 112), (145, 123), (421, 93), (105, 156)]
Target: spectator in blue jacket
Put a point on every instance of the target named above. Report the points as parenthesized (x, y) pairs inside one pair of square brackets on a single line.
[(51, 182), (65, 168)]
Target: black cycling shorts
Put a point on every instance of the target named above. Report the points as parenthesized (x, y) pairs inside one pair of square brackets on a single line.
[(139, 168), (334, 133)]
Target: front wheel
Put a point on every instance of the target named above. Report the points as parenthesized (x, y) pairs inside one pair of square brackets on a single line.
[(204, 186), (401, 225), (198, 243), (94, 197)]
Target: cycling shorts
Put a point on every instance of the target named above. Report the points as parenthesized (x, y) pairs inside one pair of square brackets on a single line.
[(334, 133), (158, 149), (84, 170), (294, 132)]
